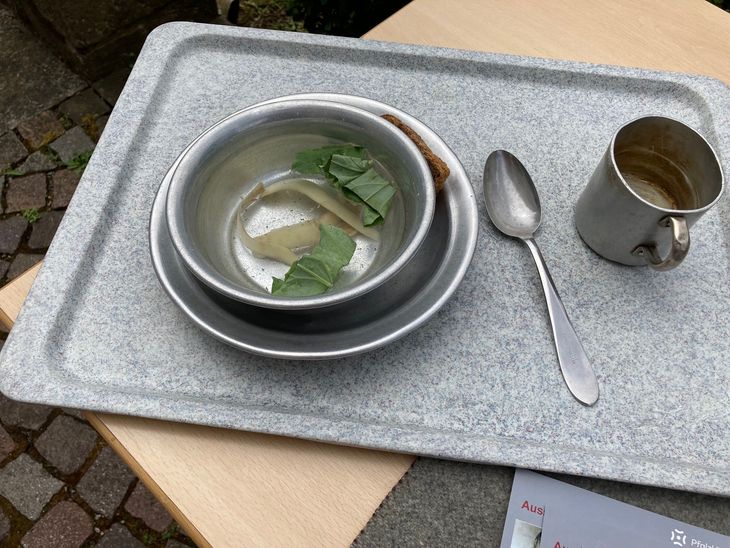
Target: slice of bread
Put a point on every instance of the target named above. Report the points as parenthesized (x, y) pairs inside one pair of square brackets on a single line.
[(439, 169)]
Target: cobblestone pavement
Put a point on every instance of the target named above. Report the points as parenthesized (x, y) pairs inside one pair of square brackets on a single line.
[(60, 484)]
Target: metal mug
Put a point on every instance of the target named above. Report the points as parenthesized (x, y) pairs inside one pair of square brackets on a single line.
[(654, 182)]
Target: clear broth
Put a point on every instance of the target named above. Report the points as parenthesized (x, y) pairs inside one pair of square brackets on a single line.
[(288, 208)]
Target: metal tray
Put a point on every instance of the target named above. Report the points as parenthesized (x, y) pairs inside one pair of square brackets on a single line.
[(480, 381)]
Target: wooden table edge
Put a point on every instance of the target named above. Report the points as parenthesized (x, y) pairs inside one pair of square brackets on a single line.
[(96, 420)]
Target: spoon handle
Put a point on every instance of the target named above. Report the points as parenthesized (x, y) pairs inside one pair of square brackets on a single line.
[(577, 370)]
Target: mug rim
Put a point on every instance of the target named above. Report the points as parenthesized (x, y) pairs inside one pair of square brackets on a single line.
[(668, 211)]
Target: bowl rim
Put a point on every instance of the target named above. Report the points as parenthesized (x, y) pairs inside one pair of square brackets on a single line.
[(205, 272)]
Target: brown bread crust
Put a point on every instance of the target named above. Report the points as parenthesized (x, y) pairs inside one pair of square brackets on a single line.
[(439, 169)]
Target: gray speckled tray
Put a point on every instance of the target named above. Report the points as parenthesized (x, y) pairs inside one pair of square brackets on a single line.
[(480, 381)]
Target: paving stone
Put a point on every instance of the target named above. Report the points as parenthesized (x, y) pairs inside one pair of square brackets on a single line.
[(98, 36), (24, 415), (26, 193), (118, 536), (21, 263), (33, 78), (64, 186), (41, 129), (11, 149), (143, 505), (4, 265), (101, 124), (72, 143), (105, 483), (66, 443), (38, 161), (44, 229), (11, 231), (78, 413), (91, 129), (442, 503), (27, 486), (4, 525), (66, 525), (84, 104), (7, 445), (111, 86), (83, 24)]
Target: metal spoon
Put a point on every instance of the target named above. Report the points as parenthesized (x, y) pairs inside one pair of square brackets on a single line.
[(514, 207)]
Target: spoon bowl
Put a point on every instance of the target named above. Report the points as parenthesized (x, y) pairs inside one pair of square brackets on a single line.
[(510, 183)]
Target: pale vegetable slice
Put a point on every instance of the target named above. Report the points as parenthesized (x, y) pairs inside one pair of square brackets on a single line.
[(317, 194), (269, 250), (349, 170), (329, 218), (304, 234)]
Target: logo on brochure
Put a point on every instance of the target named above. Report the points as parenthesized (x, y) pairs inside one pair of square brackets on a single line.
[(678, 538)]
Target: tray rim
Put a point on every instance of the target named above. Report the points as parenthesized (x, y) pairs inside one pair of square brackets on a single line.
[(159, 46)]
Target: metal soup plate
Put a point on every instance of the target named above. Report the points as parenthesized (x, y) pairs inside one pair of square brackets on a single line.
[(379, 317)]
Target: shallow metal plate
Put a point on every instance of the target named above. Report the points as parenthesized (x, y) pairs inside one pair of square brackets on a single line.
[(379, 317)]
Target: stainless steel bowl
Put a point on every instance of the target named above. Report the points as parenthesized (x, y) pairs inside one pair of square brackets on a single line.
[(258, 145)]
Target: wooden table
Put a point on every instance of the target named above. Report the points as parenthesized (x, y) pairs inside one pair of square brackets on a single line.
[(229, 488)]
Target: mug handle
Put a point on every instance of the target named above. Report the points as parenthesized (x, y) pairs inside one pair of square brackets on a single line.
[(679, 249)]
